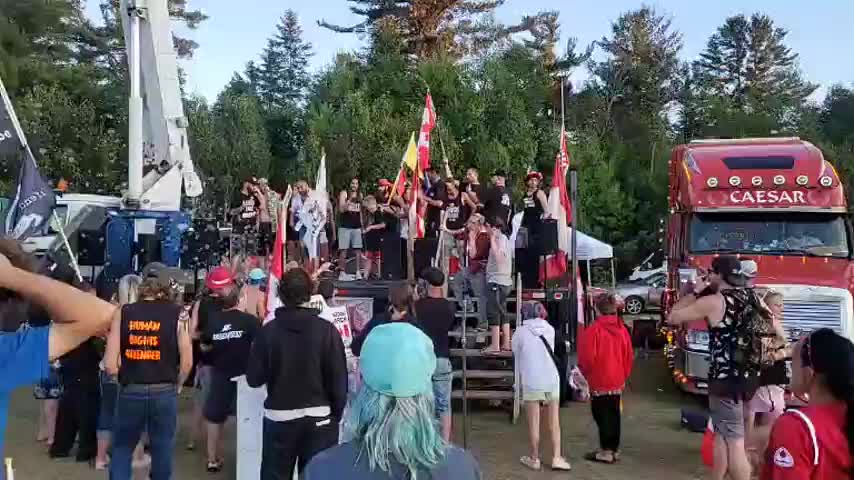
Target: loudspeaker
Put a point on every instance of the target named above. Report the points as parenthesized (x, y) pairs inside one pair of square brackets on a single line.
[(91, 247), (201, 244), (549, 239), (425, 250), (391, 265)]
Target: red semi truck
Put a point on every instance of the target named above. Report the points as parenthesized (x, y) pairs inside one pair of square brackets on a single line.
[(776, 201)]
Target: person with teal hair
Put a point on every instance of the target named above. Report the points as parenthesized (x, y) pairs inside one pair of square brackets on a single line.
[(394, 431)]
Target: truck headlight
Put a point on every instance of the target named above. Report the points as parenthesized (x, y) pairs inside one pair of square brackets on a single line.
[(697, 339)]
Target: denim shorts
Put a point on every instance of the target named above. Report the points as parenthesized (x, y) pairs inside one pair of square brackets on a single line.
[(496, 304), (349, 238), (727, 416), (442, 379)]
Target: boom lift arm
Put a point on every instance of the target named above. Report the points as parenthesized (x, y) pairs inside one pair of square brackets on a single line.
[(157, 128)]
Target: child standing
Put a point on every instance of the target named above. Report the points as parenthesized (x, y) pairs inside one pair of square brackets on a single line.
[(374, 230), (533, 346), (605, 357)]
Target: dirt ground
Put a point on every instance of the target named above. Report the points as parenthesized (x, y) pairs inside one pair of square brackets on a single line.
[(654, 447)]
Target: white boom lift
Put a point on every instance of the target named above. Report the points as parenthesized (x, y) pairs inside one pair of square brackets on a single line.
[(150, 224), (157, 128)]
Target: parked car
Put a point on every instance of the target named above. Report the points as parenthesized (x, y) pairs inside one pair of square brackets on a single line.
[(640, 295)]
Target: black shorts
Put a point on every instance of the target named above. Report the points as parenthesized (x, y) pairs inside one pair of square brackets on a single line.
[(265, 238), (222, 398)]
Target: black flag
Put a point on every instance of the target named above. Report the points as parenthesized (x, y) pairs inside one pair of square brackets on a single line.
[(34, 200)]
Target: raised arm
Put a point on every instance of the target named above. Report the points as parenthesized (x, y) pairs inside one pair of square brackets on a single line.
[(77, 315)]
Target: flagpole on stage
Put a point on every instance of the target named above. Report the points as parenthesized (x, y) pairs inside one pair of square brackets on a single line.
[(573, 202)]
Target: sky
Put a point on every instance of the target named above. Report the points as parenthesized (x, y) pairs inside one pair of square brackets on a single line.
[(820, 31)]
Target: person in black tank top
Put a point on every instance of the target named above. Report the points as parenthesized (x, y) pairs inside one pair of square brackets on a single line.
[(150, 350), (530, 250), (350, 227)]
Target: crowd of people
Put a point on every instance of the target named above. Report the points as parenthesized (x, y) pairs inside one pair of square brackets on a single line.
[(360, 222), (748, 378), (110, 364)]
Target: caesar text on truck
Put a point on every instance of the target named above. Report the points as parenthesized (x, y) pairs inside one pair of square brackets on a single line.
[(776, 201)]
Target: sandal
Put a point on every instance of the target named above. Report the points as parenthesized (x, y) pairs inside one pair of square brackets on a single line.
[(561, 465), (215, 467), (594, 457), (532, 463)]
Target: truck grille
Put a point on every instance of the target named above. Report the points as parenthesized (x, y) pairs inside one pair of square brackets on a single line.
[(801, 318)]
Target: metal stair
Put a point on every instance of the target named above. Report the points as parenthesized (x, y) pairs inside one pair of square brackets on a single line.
[(491, 377)]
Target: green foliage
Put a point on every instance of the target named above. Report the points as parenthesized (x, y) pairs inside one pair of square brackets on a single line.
[(281, 78)]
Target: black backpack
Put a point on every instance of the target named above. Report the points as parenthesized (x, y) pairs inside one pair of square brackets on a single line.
[(752, 349)]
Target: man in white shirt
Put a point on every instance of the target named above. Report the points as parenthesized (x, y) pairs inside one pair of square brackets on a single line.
[(499, 282)]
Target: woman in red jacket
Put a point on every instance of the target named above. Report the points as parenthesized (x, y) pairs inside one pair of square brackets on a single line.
[(815, 442), (605, 357)]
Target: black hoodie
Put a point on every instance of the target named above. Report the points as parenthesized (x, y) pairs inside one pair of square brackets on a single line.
[(300, 357)]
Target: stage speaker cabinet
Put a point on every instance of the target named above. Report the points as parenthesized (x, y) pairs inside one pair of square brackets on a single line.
[(392, 269), (201, 244), (91, 246), (425, 250), (550, 242)]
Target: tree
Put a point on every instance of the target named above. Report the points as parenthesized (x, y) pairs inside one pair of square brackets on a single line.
[(439, 27), (281, 78), (748, 62), (35, 37), (72, 140), (836, 119)]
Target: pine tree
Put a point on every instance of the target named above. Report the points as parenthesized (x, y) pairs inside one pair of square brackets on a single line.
[(281, 78), (747, 61)]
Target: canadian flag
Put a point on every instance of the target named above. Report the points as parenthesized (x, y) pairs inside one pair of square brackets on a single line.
[(277, 269), (428, 123), (559, 209)]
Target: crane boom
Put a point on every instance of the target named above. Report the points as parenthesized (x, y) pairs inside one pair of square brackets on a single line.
[(157, 127)]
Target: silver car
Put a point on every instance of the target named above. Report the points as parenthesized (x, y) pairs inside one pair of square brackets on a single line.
[(640, 295)]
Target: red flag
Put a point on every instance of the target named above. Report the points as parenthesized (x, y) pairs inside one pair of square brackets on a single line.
[(561, 210), (277, 269), (428, 123)]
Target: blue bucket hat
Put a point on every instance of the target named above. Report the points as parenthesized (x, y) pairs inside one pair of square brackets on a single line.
[(398, 360), (256, 274)]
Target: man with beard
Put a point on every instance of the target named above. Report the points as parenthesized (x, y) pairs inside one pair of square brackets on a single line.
[(473, 193)]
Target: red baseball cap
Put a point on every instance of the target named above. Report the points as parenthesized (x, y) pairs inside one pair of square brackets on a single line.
[(219, 278), (384, 183)]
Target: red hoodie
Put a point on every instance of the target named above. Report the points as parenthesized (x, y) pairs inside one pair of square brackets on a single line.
[(605, 354)]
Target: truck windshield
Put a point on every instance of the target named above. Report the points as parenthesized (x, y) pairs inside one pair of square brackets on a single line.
[(813, 234)]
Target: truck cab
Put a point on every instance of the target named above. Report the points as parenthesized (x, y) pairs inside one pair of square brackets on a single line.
[(71, 211), (776, 201)]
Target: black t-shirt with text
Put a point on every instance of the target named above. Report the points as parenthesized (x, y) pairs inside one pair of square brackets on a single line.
[(230, 334), (454, 213), (497, 203)]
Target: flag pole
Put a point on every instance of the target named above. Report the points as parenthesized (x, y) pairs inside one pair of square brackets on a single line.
[(14, 118), (61, 229), (573, 281)]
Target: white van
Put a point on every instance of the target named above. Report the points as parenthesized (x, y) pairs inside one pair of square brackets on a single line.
[(71, 210)]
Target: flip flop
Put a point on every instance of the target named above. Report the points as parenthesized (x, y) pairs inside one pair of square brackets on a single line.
[(594, 457)]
